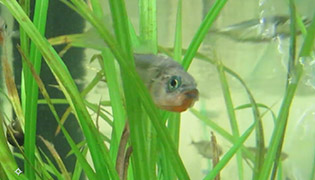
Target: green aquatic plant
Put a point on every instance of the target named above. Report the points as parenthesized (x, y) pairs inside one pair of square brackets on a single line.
[(155, 145), (120, 47)]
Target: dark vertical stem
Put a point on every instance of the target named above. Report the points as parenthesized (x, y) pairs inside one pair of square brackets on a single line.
[(216, 154)]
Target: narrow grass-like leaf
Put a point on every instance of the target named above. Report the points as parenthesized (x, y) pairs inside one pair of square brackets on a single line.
[(174, 129), (300, 24), (84, 92), (57, 158), (178, 33), (63, 119), (54, 101), (258, 105), (291, 70), (231, 114), (133, 106), (312, 175), (222, 132), (280, 172), (95, 108), (78, 168), (40, 163), (40, 14), (154, 150), (279, 130), (88, 170), (256, 114), (84, 40), (51, 167), (202, 32), (109, 69), (6, 155), (2, 173), (11, 88), (292, 48), (148, 24), (25, 45), (148, 104), (97, 8), (212, 125), (308, 43), (39, 172), (99, 154), (175, 118)]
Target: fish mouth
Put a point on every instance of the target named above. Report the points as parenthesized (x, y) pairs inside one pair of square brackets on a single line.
[(187, 99), (192, 94)]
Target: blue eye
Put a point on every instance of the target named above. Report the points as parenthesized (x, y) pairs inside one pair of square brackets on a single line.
[(174, 82)]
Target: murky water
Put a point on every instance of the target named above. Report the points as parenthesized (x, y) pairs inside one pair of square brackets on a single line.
[(263, 66), (257, 53)]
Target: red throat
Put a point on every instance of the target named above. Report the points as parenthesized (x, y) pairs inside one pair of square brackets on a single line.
[(189, 99)]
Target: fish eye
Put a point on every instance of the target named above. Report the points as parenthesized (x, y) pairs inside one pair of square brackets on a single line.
[(4, 26), (174, 82)]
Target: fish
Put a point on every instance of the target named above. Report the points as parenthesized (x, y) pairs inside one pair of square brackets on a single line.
[(170, 86), (205, 148), (283, 155), (263, 29)]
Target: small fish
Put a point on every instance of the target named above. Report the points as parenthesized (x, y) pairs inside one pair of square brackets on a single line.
[(205, 148), (283, 155), (170, 86), (259, 30)]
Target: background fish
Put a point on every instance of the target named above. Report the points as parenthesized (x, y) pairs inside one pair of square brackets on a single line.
[(260, 30), (170, 86), (205, 148)]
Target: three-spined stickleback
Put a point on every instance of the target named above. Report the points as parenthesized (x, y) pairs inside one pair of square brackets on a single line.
[(170, 86)]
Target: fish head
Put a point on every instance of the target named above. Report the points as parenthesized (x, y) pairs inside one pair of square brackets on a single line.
[(174, 89)]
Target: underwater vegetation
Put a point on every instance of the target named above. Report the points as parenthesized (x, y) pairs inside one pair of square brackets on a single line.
[(147, 91)]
